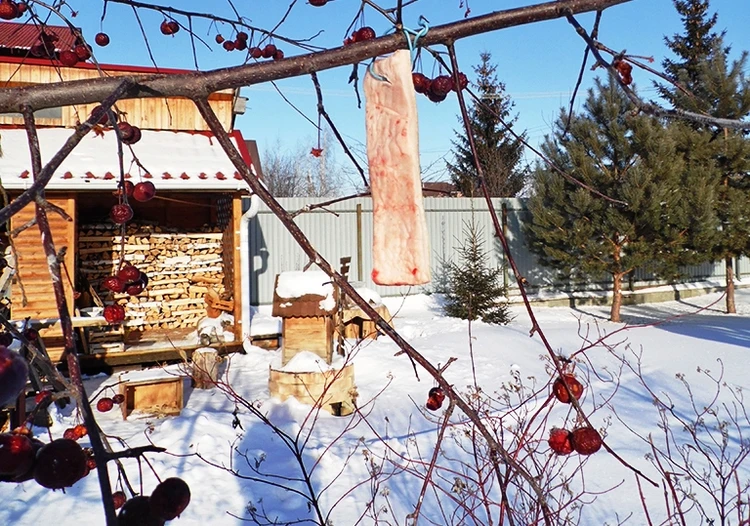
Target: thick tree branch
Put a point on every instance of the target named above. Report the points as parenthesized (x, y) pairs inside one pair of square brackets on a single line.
[(202, 84)]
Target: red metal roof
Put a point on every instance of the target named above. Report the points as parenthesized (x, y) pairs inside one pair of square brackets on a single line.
[(22, 36)]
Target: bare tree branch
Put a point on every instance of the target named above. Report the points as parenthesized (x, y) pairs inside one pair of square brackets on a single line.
[(202, 84)]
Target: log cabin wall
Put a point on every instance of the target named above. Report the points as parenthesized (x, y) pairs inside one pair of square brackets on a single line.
[(31, 263), (176, 239), (156, 114)]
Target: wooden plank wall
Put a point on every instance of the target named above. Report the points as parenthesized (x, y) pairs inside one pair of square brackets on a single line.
[(152, 114), (32, 263)]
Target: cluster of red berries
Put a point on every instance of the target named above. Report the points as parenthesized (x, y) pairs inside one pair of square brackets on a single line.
[(169, 27), (168, 500), (128, 280), (129, 134), (268, 51), (624, 69), (360, 35), (71, 57), (583, 440), (106, 403), (437, 89), (122, 212), (435, 399), (10, 9), (56, 465)]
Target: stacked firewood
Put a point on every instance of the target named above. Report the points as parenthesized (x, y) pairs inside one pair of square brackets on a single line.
[(181, 267)]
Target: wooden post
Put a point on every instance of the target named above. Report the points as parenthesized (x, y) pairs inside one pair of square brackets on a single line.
[(205, 367)]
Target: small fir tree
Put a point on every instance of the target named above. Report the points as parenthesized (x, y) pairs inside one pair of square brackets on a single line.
[(500, 153), (719, 88), (474, 289), (630, 158)]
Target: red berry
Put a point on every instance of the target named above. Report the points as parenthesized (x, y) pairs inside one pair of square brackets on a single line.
[(318, 3), (170, 498), (421, 82), (219, 39), (558, 388), (118, 398), (435, 97), (8, 10), (14, 373), (242, 36), (105, 404), (586, 440), (166, 28), (16, 454), (240, 45), (129, 273), (60, 464), (441, 85), (228, 45), (114, 314), (101, 116), (70, 434), (560, 441), (135, 137), (83, 52), (121, 213), (269, 51), (102, 39), (80, 430), (365, 33), (137, 512), (432, 404), (119, 498), (256, 52), (173, 26), (126, 131), (68, 58), (463, 82), (437, 393), (114, 284), (278, 55), (135, 288), (144, 191)]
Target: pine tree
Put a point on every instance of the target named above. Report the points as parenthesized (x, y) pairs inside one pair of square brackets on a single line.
[(630, 158), (474, 289), (720, 89), (499, 152)]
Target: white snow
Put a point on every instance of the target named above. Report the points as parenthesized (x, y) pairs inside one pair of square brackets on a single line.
[(297, 283), (392, 393)]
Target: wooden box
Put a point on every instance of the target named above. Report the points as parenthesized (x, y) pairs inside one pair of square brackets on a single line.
[(155, 394)]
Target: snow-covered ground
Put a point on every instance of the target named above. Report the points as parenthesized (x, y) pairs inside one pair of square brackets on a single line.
[(392, 396)]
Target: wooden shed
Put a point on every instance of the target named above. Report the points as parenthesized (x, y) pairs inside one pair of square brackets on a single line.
[(307, 304), (186, 239)]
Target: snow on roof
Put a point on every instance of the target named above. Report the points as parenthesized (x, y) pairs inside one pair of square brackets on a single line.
[(175, 160), (310, 286)]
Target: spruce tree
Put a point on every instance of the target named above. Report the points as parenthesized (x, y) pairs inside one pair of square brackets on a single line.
[(500, 153), (627, 157), (474, 289), (719, 88)]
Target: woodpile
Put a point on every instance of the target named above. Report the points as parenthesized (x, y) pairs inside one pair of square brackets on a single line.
[(181, 267)]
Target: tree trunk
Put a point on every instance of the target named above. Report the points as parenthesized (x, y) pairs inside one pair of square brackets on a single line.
[(731, 308), (614, 313)]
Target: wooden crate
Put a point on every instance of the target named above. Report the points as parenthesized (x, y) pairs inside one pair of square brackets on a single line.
[(334, 390), (157, 394)]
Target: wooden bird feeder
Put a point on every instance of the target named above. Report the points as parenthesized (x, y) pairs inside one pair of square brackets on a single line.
[(308, 319)]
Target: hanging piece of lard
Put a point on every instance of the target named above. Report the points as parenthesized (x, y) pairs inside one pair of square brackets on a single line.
[(401, 253)]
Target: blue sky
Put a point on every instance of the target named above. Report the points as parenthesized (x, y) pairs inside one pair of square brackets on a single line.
[(538, 63)]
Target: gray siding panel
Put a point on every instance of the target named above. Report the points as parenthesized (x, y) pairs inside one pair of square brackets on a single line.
[(333, 232)]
